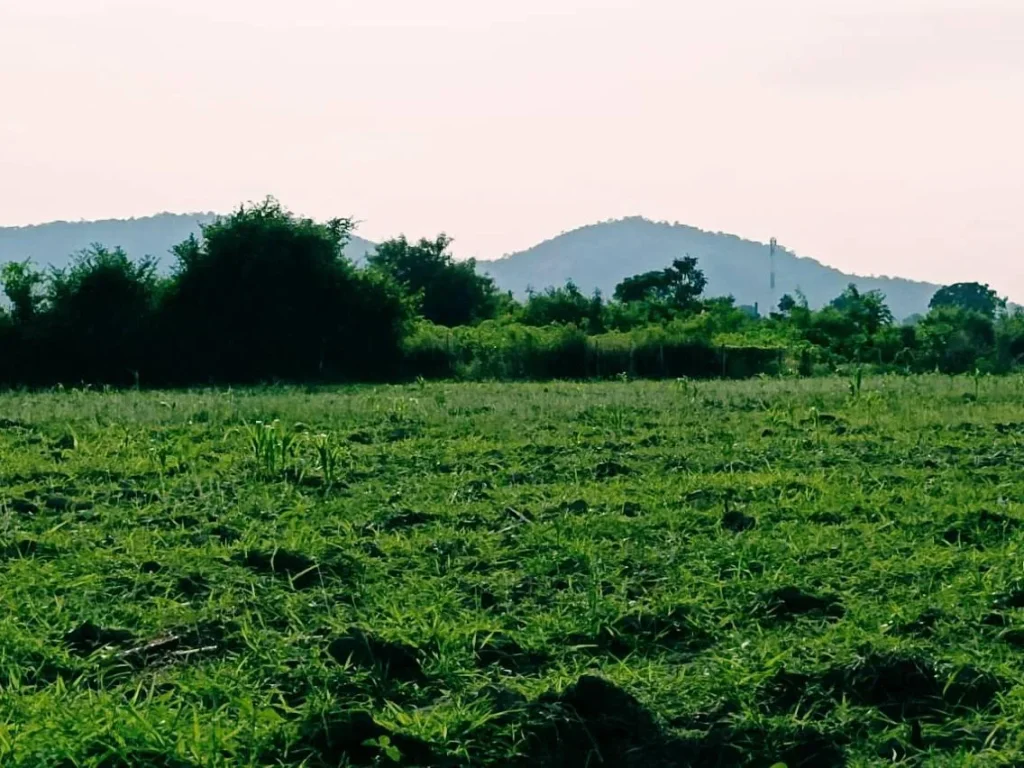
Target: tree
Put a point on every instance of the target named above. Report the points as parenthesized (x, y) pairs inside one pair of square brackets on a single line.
[(1010, 337), (679, 286), (849, 326), (794, 310), (837, 331), (266, 294), (974, 297), (22, 283), (868, 311), (449, 293), (564, 306), (786, 304), (20, 333), (100, 318), (955, 339)]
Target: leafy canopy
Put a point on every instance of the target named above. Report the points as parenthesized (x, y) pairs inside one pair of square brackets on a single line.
[(680, 285), (564, 306), (449, 292), (974, 297), (284, 300)]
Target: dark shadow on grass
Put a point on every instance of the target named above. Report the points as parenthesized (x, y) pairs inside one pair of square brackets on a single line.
[(595, 723)]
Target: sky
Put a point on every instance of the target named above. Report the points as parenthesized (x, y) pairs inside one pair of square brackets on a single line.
[(878, 136)]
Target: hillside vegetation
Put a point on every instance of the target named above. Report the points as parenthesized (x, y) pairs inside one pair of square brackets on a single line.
[(54, 244), (595, 257), (600, 256), (266, 296)]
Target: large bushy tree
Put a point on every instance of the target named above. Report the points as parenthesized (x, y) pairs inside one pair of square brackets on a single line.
[(867, 311), (680, 285), (564, 306), (1010, 337), (954, 339), (101, 312), (849, 326), (973, 297), (23, 286), (449, 292), (266, 294)]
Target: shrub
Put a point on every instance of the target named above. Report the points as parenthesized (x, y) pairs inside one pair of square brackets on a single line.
[(267, 295), (507, 352)]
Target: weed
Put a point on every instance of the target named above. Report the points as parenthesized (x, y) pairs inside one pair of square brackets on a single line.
[(271, 448), (329, 456), (857, 382), (737, 574)]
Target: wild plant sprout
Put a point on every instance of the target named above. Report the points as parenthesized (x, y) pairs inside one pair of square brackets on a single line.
[(329, 457), (271, 447), (689, 387), (857, 381)]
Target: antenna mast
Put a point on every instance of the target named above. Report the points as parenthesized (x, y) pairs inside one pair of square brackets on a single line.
[(773, 246)]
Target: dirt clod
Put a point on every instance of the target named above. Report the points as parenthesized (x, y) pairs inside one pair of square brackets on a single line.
[(390, 659), (87, 638)]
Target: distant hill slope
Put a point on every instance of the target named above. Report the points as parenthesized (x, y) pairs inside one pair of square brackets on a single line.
[(53, 244), (597, 256), (601, 255)]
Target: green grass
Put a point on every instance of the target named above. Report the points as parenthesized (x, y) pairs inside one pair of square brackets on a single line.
[(629, 573)]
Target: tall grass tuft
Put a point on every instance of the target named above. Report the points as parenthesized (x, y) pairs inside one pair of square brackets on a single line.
[(271, 447)]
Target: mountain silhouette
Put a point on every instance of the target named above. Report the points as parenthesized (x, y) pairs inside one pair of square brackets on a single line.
[(54, 244), (600, 256)]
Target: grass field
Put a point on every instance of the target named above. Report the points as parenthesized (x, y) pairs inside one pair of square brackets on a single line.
[(621, 574)]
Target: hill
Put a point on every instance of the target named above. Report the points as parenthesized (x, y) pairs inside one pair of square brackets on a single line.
[(601, 255), (53, 244), (596, 256)]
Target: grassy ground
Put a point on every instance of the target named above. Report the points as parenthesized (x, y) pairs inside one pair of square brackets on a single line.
[(649, 574)]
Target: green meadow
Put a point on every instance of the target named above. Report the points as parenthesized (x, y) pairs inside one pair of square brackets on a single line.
[(806, 572)]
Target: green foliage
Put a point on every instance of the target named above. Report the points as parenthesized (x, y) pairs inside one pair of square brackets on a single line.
[(330, 457), (787, 304), (857, 381), (502, 351), (679, 286), (854, 327), (1010, 339), (267, 296), (956, 340), (622, 573), (283, 299), (868, 312), (448, 292), (389, 750), (263, 295), (669, 296), (271, 446), (101, 316), (498, 351), (602, 255), (564, 306), (971, 297), (91, 321), (21, 284)]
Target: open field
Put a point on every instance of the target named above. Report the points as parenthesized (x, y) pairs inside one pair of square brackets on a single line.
[(621, 574)]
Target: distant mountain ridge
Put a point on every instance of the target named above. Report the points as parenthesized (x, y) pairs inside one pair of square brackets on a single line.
[(54, 244), (598, 256)]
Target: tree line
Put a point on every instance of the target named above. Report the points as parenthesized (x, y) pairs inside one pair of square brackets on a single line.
[(265, 296)]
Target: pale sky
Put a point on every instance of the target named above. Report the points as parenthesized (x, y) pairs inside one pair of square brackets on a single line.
[(879, 136)]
